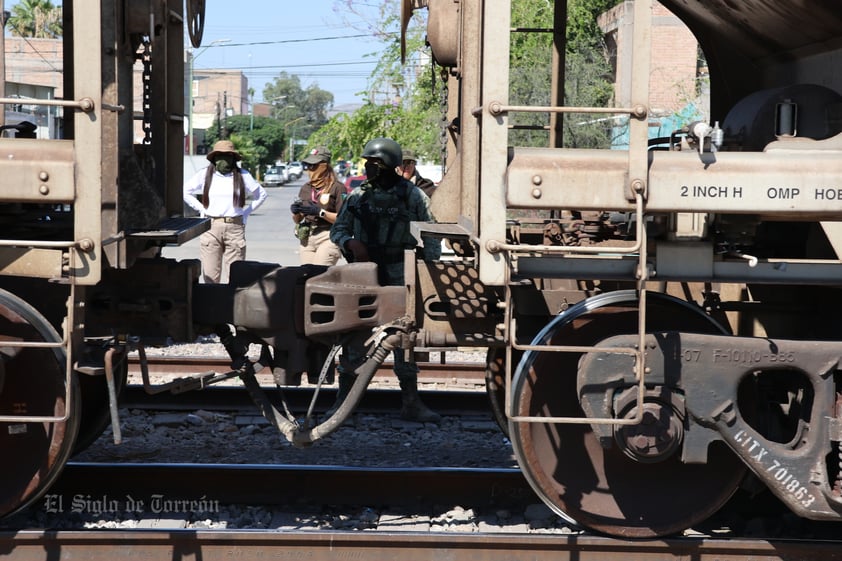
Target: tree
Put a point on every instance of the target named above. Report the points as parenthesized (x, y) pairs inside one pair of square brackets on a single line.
[(587, 72), (260, 140), (402, 101), (35, 18), (413, 117), (291, 102)]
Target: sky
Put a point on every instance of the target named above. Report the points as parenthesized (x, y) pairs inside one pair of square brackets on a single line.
[(314, 39), (308, 38)]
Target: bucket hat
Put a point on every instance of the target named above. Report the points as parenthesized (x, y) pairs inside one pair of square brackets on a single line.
[(224, 147)]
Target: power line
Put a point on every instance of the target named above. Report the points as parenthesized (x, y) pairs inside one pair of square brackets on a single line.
[(282, 41)]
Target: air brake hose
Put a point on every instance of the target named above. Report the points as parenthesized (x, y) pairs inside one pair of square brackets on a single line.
[(305, 437), (301, 437)]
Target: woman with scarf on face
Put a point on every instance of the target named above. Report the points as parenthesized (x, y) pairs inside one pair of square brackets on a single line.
[(222, 189), (315, 210)]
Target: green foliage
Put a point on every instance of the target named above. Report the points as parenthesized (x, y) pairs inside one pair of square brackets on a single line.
[(346, 135), (35, 18), (403, 101), (290, 102), (414, 118), (236, 129), (587, 72), (582, 28), (247, 148)]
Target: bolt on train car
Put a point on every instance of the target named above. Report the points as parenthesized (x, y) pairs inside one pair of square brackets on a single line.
[(660, 314)]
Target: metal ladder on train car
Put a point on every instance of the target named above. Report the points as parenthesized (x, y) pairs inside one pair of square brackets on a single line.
[(65, 342), (637, 174)]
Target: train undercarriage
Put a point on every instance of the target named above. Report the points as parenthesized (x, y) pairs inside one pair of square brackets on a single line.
[(660, 319)]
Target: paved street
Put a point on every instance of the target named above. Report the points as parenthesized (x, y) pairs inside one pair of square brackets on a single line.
[(269, 231)]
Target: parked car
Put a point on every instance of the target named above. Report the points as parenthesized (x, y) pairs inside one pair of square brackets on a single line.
[(284, 172), (296, 169), (352, 182), (274, 177)]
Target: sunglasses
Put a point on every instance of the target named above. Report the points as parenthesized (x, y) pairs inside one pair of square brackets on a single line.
[(408, 162)]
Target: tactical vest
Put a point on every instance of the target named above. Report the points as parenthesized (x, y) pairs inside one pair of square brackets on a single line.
[(383, 223)]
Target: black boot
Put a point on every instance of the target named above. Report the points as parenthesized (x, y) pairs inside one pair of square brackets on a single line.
[(413, 408), (345, 382)]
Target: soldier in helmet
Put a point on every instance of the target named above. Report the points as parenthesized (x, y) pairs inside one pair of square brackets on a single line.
[(373, 225)]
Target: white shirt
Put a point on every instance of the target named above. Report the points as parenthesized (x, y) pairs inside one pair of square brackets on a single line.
[(221, 194)]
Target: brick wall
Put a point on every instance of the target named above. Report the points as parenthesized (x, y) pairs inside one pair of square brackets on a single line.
[(33, 66), (674, 58)]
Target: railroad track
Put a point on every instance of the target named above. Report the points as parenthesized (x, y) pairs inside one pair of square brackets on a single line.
[(107, 486), (265, 484), (465, 393), (469, 374), (208, 545), (237, 400), (283, 485)]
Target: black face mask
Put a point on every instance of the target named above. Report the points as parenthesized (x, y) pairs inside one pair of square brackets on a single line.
[(373, 169), (224, 164)]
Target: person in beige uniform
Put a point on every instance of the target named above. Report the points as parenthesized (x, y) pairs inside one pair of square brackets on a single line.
[(221, 189), (315, 210)]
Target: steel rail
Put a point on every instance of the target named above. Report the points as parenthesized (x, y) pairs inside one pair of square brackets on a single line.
[(431, 372), (231, 398), (113, 545), (284, 485)]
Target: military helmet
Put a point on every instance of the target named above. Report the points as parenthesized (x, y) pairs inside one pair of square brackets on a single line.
[(386, 149)]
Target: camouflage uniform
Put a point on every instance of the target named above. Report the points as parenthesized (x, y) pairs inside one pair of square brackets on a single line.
[(379, 217)]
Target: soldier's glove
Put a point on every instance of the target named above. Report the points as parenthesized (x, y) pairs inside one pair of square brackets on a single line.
[(309, 209), (295, 207)]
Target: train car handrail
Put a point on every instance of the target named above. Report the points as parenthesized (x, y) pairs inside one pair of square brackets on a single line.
[(496, 108), (39, 244), (85, 104)]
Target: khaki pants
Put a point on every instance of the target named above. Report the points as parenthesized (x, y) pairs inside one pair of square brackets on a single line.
[(319, 250), (220, 246)]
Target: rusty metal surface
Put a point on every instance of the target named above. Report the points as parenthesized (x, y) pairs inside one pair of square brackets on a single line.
[(32, 263), (37, 171), (33, 385), (713, 374), (765, 28), (349, 297), (567, 464), (377, 546)]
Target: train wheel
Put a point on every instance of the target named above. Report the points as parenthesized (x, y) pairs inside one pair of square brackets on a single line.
[(605, 489), (495, 384), (32, 382)]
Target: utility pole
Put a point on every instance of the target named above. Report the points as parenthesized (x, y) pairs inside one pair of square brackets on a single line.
[(191, 57), (224, 134), (218, 117)]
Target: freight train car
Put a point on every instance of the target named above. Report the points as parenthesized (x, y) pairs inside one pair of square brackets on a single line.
[(660, 316), (670, 328)]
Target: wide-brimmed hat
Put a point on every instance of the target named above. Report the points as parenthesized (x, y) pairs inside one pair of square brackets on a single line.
[(317, 155), (409, 155), (224, 147)]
